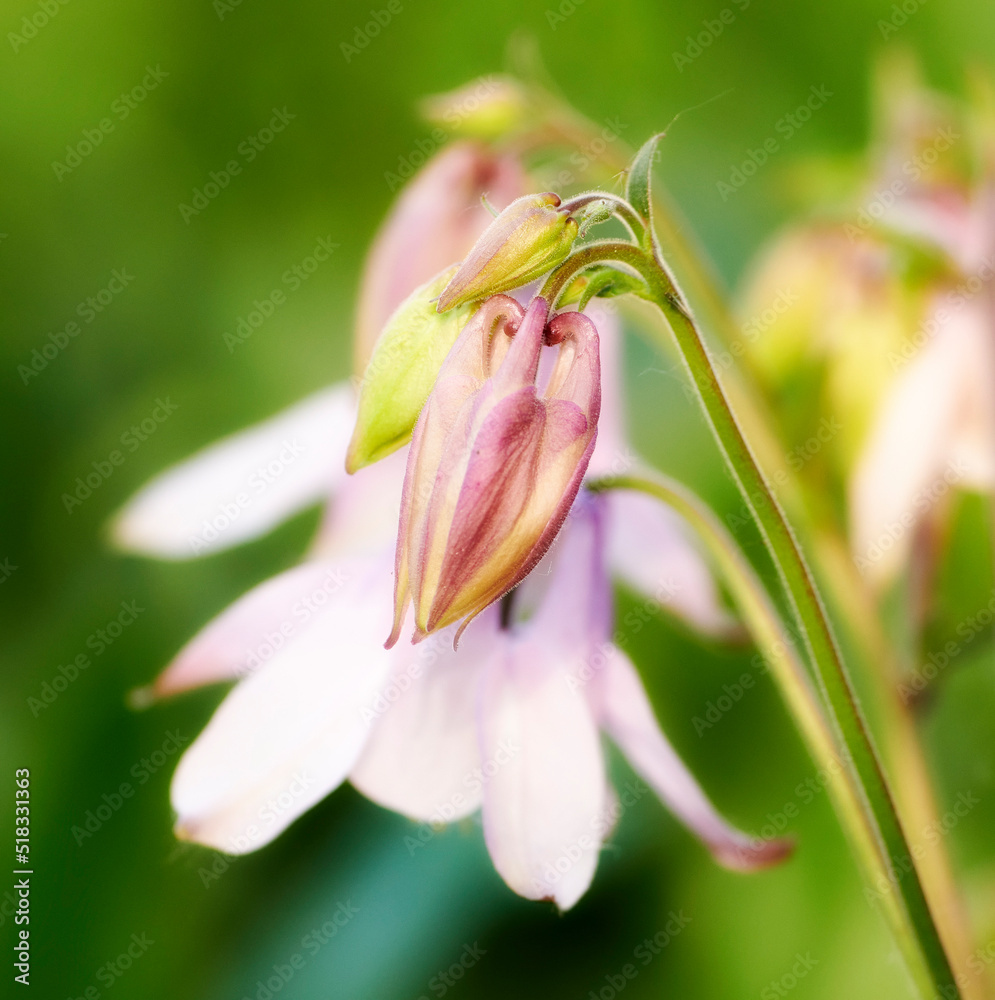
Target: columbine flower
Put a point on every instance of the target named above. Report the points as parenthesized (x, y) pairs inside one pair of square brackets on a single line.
[(934, 430), (508, 723), (494, 464)]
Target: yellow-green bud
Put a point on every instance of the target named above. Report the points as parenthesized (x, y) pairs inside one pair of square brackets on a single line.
[(402, 370), (486, 108), (528, 239)]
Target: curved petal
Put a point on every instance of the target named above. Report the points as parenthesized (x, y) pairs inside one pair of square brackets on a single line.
[(244, 485), (545, 790), (422, 758), (249, 633), (612, 455), (650, 551), (908, 460), (289, 734), (627, 716)]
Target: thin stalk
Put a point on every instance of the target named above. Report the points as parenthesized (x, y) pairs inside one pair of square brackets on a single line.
[(774, 642), (912, 922)]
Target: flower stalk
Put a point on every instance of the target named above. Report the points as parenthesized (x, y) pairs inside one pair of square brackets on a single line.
[(910, 917)]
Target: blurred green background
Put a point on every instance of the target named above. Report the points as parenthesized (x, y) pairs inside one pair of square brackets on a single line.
[(217, 928)]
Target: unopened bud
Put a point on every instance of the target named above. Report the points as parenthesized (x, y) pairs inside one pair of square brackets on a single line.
[(400, 374), (528, 239)]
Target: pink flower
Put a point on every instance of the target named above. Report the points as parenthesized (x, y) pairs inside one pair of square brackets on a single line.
[(494, 464), (508, 724)]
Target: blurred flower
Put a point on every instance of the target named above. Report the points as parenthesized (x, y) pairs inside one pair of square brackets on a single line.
[(433, 224), (508, 723), (494, 464), (886, 323)]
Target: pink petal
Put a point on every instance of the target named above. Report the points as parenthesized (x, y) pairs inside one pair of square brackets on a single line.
[(289, 734), (244, 485), (650, 551), (545, 794), (247, 635), (612, 455), (627, 716), (422, 758), (910, 459)]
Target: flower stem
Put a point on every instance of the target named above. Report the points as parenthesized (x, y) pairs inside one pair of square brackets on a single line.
[(911, 919)]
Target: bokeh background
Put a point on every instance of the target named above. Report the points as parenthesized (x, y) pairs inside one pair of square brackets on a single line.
[(218, 927)]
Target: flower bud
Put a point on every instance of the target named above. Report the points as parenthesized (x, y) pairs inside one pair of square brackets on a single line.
[(495, 461), (530, 237), (486, 108), (435, 221), (400, 375)]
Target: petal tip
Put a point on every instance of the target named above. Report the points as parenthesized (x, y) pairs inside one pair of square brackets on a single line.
[(754, 855)]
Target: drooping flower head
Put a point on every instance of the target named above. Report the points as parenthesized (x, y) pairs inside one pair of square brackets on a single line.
[(495, 461)]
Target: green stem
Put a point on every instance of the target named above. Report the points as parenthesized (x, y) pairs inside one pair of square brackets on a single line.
[(776, 645), (912, 922)]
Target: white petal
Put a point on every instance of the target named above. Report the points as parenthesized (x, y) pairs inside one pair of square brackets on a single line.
[(545, 791), (628, 717), (244, 485), (249, 633), (908, 463), (650, 551), (289, 734), (423, 758)]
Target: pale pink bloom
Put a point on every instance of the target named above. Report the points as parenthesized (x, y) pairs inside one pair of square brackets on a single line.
[(934, 429), (508, 724), (433, 223)]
